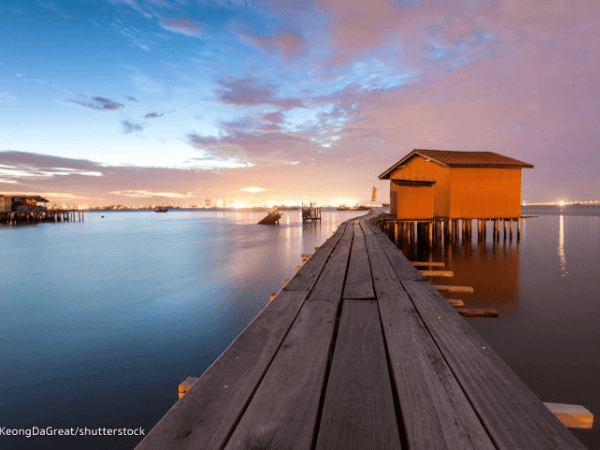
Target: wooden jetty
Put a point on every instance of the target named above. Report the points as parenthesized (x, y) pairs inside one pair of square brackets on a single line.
[(310, 212), (47, 215), (357, 351)]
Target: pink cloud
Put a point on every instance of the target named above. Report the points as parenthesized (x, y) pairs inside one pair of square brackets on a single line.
[(182, 25), (247, 91), (288, 42)]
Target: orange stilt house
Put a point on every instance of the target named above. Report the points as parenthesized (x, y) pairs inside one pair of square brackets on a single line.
[(428, 184)]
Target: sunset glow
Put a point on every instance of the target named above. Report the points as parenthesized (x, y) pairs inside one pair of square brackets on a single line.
[(133, 101)]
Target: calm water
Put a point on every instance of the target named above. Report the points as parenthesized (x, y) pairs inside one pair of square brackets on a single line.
[(99, 321), (547, 289)]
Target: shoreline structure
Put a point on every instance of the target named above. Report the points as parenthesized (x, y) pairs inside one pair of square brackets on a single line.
[(358, 350)]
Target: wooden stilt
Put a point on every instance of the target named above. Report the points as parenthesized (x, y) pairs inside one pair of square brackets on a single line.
[(430, 229), (478, 312), (518, 229)]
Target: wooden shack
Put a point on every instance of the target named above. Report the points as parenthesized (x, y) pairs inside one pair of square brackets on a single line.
[(28, 203), (463, 185)]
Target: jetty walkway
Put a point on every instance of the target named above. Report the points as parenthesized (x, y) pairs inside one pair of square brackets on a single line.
[(357, 352)]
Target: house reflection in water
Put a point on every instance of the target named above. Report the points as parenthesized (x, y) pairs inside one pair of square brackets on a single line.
[(491, 267)]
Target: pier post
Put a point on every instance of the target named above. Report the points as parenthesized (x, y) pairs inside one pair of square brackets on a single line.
[(504, 225), (518, 228), (430, 229), (511, 229)]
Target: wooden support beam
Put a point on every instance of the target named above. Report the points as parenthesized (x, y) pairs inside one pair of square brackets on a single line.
[(478, 312), (286, 281), (305, 255), (185, 386), (436, 273), (297, 269), (443, 288), (428, 263), (572, 416), (456, 302), (272, 296)]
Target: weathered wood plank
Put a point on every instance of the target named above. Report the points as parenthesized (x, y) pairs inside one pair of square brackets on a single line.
[(358, 410), (428, 263), (206, 415), (435, 411), (473, 312), (511, 413), (330, 284), (283, 412), (402, 266), (436, 273), (446, 288), (359, 283), (572, 416), (305, 279)]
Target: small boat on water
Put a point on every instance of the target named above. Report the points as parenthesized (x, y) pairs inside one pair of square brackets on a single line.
[(161, 209)]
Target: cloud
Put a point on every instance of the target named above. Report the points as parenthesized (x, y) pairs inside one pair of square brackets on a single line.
[(182, 25), (21, 170), (248, 91), (129, 127), (143, 193), (51, 6), (153, 115), (133, 99), (287, 43), (252, 189), (98, 104)]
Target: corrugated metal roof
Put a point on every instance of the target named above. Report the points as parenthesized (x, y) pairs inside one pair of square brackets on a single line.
[(453, 158)]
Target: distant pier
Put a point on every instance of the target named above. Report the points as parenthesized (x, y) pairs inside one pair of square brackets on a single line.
[(357, 351), (49, 215)]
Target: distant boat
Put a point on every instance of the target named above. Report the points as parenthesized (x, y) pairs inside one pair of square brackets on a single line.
[(161, 209)]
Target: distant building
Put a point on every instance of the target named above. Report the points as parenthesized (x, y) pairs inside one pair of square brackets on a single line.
[(455, 184), (207, 202), (22, 203)]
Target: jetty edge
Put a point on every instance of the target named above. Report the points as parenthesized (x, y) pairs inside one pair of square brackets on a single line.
[(357, 351)]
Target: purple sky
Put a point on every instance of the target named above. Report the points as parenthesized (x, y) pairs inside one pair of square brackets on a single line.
[(147, 101)]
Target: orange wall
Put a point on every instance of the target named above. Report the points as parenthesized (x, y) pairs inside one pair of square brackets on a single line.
[(420, 169), (485, 193), (414, 202)]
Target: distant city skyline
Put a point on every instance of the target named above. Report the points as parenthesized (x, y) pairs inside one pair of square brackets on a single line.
[(270, 102)]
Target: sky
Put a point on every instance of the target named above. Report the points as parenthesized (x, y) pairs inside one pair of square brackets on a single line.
[(282, 101)]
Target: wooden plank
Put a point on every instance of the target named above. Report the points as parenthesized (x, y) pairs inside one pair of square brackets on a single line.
[(511, 413), (305, 279), (359, 284), (572, 416), (435, 411), (206, 415), (358, 410), (436, 273), (330, 285), (283, 412), (469, 312), (400, 263), (456, 302), (463, 289), (428, 263)]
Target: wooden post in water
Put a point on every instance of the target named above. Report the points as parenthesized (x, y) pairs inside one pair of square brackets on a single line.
[(430, 230), (504, 226), (518, 228)]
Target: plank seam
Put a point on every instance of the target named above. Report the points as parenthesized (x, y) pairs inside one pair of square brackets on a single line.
[(400, 423), (336, 327)]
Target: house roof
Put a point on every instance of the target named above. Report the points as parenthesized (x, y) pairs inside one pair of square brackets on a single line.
[(413, 183), (451, 158), (37, 198)]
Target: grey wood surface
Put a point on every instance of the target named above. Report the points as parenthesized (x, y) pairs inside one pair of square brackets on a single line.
[(206, 415), (307, 277), (283, 412), (435, 411), (359, 283), (512, 414), (358, 410)]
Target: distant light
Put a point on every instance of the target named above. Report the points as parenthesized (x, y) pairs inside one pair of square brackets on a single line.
[(561, 203)]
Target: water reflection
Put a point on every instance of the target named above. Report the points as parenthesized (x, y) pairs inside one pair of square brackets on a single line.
[(490, 266), (561, 247)]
